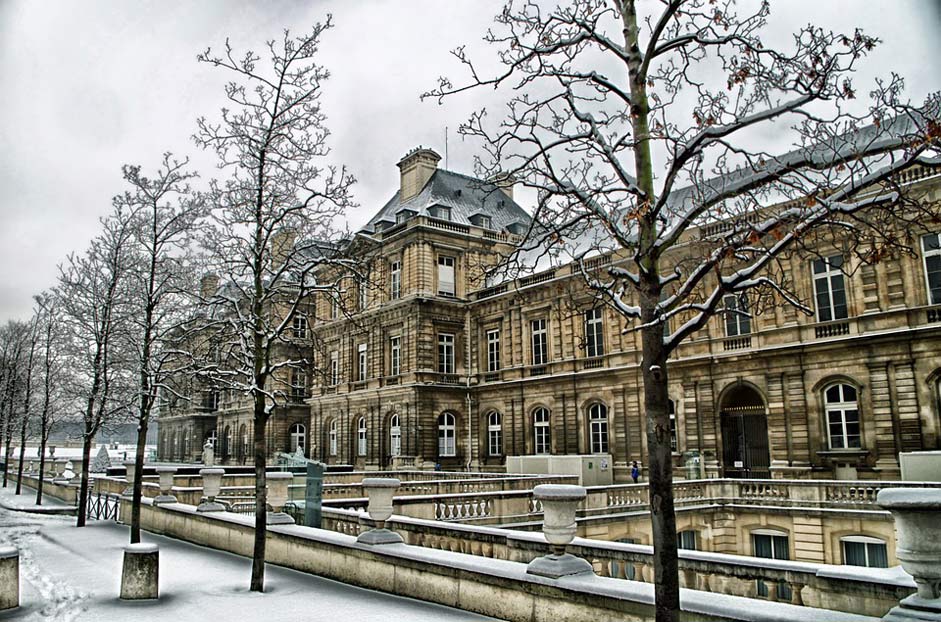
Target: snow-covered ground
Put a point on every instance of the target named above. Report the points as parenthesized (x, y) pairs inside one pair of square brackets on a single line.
[(71, 574)]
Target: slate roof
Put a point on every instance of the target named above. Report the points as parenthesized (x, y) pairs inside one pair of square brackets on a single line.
[(465, 195)]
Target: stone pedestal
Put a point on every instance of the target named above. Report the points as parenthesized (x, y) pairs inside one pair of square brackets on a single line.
[(212, 485), (9, 578), (139, 577), (278, 492), (380, 491)]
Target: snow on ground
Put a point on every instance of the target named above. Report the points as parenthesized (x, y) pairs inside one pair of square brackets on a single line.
[(69, 574)]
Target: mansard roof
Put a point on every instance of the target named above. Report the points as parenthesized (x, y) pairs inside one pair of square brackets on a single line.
[(465, 196)]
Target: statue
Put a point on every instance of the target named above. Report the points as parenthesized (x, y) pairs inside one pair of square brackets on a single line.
[(208, 454)]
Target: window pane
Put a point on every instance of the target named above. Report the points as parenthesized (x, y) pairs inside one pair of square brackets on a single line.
[(878, 557), (933, 268), (762, 545), (854, 553)]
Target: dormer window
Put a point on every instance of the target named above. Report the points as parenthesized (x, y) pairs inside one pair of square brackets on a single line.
[(516, 228), (403, 215), (438, 211), (482, 220), (381, 226)]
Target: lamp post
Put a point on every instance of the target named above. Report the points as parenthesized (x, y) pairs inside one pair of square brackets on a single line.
[(559, 503), (380, 491)]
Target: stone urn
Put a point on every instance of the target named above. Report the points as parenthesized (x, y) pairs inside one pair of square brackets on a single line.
[(559, 503), (277, 489), (165, 473), (917, 512), (380, 491), (130, 466), (212, 485)]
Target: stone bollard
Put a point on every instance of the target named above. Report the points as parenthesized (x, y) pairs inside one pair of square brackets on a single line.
[(130, 467), (140, 575), (380, 491), (277, 487), (166, 474), (559, 504), (212, 485), (9, 578), (916, 512)]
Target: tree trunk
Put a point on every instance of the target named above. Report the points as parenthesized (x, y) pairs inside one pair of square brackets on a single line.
[(261, 497), (6, 453), (42, 465), (660, 476), (19, 469), (138, 480), (83, 487)]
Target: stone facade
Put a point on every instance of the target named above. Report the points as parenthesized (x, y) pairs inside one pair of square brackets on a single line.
[(432, 367)]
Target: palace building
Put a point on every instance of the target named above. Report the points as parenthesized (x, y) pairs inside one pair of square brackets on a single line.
[(430, 365)]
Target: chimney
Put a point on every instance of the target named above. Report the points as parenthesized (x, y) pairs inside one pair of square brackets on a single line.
[(503, 181), (281, 244), (416, 169), (208, 285)]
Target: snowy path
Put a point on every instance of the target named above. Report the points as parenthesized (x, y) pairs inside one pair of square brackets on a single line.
[(70, 574)]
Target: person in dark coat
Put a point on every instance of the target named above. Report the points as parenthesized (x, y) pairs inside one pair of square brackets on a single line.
[(635, 471)]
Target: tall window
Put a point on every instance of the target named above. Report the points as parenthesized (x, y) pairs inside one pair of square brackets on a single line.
[(298, 436), (445, 353), (594, 333), (445, 275), (298, 383), (829, 289), (842, 410), (395, 436), (493, 350), (395, 355), (737, 318), (395, 278), (671, 408), (931, 245), (864, 551), (541, 430), (363, 290), (334, 307), (495, 433), (334, 368), (771, 544), (537, 329), (446, 435), (299, 327), (361, 437), (212, 438), (361, 366), (598, 428), (686, 540), (333, 437)]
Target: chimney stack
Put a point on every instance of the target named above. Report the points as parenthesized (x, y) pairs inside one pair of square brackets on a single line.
[(208, 285), (416, 168), (503, 181), (282, 243)]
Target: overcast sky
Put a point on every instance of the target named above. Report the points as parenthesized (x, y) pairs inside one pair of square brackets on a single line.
[(87, 86)]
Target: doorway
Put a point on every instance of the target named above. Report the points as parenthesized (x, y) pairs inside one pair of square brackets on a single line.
[(745, 434)]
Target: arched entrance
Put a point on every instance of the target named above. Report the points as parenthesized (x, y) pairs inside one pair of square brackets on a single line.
[(744, 433)]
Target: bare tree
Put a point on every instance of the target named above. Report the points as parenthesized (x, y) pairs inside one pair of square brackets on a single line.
[(93, 301), (31, 339), (163, 216), (272, 225), (51, 377), (637, 130), (12, 342)]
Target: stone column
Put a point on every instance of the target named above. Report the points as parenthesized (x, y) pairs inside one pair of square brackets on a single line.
[(9, 578), (140, 574)]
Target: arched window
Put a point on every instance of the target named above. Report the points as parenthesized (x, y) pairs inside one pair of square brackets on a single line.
[(541, 431), (864, 551), (671, 408), (494, 433), (361, 437), (446, 435), (298, 436), (598, 428), (212, 438), (226, 441), (333, 437), (243, 442), (395, 436), (842, 411)]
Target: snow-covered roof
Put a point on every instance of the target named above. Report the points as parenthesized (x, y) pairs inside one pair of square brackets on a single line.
[(464, 195)]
